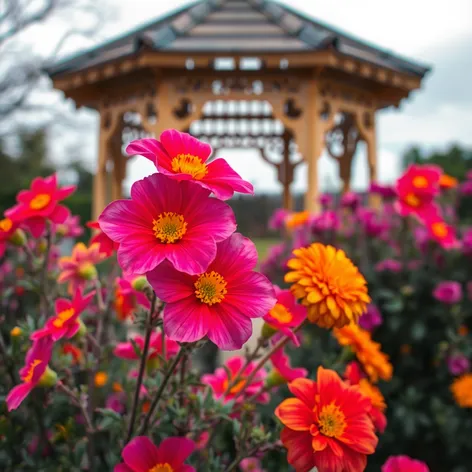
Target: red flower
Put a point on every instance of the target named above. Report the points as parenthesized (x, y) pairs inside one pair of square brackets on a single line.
[(327, 425), (41, 203), (183, 157), (127, 299), (442, 233), (141, 455), (106, 245)]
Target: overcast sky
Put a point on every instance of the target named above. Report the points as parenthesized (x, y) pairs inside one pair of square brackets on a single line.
[(433, 32)]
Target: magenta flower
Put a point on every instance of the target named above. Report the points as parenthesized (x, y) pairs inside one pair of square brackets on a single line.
[(326, 200), (441, 232), (388, 265), (282, 371), (385, 191), (106, 246), (327, 221), (127, 299), (41, 203), (251, 464), (277, 220), (350, 200), (404, 464), (286, 315), (221, 380), (458, 364), (141, 455), (448, 291), (467, 242), (116, 402), (183, 157), (465, 188), (167, 220), (71, 228), (126, 350), (218, 303), (371, 318), (66, 322), (35, 372)]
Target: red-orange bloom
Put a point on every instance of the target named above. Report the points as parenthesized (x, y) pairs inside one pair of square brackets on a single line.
[(327, 425)]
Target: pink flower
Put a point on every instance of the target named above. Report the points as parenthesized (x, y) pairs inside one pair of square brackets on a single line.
[(350, 200), (106, 245), (466, 242), (389, 265), (385, 191), (80, 266), (220, 381), (7, 228), (126, 350), (66, 322), (404, 464), (167, 220), (127, 299), (35, 371), (116, 402), (202, 440), (218, 303), (286, 315), (458, 364), (441, 232), (465, 188), (277, 220), (416, 189), (326, 200), (371, 223), (41, 203), (71, 228), (371, 318), (141, 455), (251, 464), (448, 291), (183, 157), (327, 221), (282, 371)]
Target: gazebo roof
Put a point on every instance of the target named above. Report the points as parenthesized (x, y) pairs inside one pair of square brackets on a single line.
[(235, 27)]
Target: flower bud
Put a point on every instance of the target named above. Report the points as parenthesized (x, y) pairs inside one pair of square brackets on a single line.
[(88, 272), (81, 332), (275, 379), (139, 283), (18, 238), (267, 331), (61, 230), (16, 332), (42, 246), (48, 379), (153, 364)]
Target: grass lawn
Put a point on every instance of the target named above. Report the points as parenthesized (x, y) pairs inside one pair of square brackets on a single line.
[(262, 244)]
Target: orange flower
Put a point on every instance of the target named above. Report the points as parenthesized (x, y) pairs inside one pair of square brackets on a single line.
[(462, 330), (461, 388), (329, 284), (296, 220), (374, 362), (116, 387), (327, 425), (378, 404), (74, 351), (447, 181), (101, 379)]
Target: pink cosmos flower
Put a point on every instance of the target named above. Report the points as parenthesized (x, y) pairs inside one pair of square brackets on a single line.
[(350, 200), (282, 371), (7, 228), (218, 303), (371, 318), (448, 291), (79, 266), (167, 220), (66, 322), (33, 373), (404, 464), (416, 189), (389, 265), (385, 191), (126, 350), (116, 402), (127, 299), (106, 245), (220, 381), (326, 200), (441, 232), (286, 315), (458, 364), (41, 203), (327, 221), (141, 455), (183, 157), (277, 220), (71, 228), (251, 464)]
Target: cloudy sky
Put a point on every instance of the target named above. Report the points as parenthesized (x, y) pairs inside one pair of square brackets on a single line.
[(432, 32)]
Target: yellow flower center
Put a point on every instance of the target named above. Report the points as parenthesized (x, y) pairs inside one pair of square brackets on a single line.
[(412, 200), (6, 224), (439, 229), (29, 375), (188, 164), (210, 288), (63, 317), (281, 314), (40, 201), (420, 181), (169, 227), (162, 468), (332, 421)]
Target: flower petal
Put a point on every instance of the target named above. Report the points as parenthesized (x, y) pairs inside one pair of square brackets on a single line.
[(176, 143), (18, 394), (306, 390), (294, 414), (235, 254), (140, 454), (175, 450), (300, 453), (221, 177), (192, 255)]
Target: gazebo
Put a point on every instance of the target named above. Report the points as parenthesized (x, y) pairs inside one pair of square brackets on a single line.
[(238, 74)]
